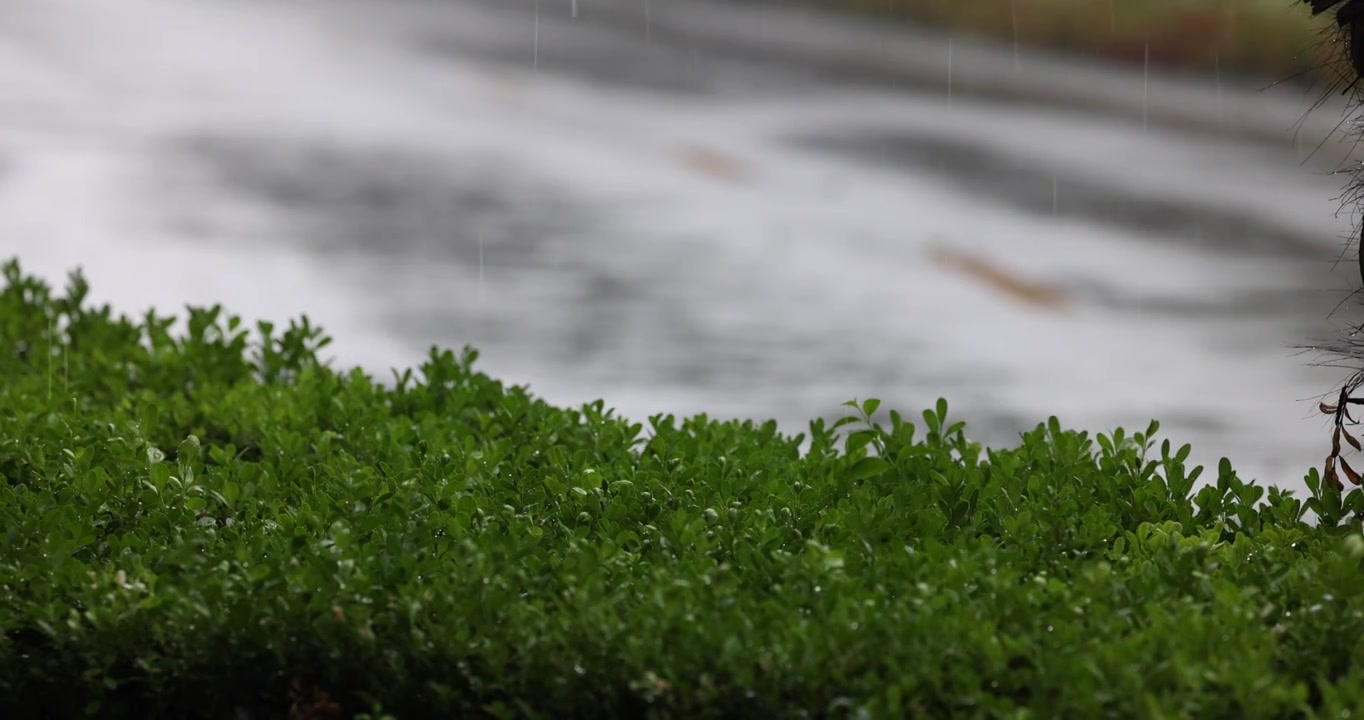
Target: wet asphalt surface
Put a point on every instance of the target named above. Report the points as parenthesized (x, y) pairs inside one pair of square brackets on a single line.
[(606, 211)]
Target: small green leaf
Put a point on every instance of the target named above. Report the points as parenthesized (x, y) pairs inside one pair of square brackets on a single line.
[(867, 467), (857, 441), (845, 420)]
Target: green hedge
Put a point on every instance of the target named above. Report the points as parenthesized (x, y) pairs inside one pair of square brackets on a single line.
[(206, 521)]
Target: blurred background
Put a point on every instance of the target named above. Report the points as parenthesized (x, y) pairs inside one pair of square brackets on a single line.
[(1104, 210)]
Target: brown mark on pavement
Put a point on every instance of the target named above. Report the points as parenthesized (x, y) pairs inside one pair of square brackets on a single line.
[(711, 163), (1022, 290), (507, 86)]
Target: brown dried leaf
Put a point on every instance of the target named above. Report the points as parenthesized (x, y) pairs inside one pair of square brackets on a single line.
[(1351, 439), (1349, 471), (1024, 290)]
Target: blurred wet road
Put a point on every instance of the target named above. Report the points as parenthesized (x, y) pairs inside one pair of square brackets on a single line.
[(608, 202)]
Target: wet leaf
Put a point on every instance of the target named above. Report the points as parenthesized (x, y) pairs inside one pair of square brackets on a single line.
[(867, 467)]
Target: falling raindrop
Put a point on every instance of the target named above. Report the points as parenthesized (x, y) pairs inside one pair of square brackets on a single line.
[(1013, 16), (535, 61), (648, 24), (1054, 196), (1217, 72), (949, 72), (1146, 87), (480, 268), (575, 9)]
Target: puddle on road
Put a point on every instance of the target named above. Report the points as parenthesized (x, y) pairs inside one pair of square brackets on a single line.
[(385, 201), (1032, 187)]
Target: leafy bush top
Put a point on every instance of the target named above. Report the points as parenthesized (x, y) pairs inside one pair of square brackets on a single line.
[(213, 522)]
